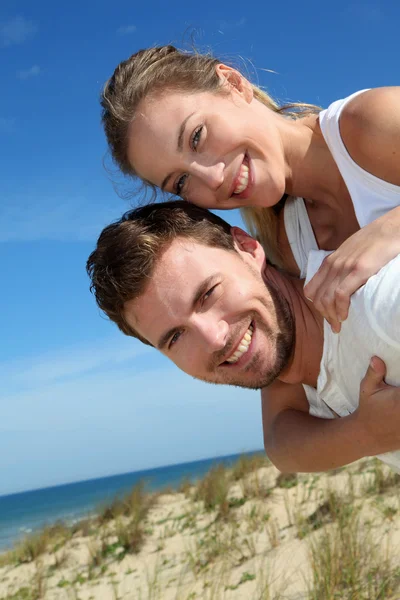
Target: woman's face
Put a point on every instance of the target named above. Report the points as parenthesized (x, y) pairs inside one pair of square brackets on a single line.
[(216, 150)]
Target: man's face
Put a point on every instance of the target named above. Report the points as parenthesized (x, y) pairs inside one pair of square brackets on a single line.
[(210, 312)]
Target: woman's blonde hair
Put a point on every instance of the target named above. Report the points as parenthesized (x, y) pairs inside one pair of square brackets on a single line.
[(165, 68)]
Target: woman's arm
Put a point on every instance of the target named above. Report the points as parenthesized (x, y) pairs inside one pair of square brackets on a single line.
[(370, 130)]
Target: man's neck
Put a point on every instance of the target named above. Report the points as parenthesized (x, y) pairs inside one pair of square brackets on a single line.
[(304, 365)]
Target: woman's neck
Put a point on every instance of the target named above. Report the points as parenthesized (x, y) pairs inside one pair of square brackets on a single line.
[(313, 174), (311, 171)]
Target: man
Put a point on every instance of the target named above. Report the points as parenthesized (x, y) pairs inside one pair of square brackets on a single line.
[(179, 278)]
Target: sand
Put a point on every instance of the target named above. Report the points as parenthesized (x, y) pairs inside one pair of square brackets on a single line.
[(260, 550)]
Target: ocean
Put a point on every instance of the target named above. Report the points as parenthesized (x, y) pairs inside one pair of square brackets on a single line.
[(25, 512)]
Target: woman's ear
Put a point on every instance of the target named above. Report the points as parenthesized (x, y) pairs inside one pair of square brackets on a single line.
[(234, 80), (248, 247)]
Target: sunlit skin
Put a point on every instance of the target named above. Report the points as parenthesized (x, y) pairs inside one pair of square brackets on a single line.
[(201, 301)]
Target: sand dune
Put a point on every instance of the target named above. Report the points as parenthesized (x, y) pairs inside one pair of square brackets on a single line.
[(247, 533)]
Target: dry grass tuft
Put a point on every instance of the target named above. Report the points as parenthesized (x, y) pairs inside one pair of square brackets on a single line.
[(213, 491), (248, 464), (346, 561), (34, 545), (383, 479)]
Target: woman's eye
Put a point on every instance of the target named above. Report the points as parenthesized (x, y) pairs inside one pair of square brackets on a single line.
[(196, 137), (180, 185), (174, 339)]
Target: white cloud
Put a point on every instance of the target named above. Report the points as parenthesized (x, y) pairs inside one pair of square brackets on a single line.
[(60, 366), (16, 31), (28, 73), (229, 25), (122, 402), (126, 29), (120, 421), (39, 217), (7, 124), (369, 12), (113, 406)]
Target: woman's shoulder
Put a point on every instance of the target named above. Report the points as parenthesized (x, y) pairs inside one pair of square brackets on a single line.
[(370, 130), (368, 103)]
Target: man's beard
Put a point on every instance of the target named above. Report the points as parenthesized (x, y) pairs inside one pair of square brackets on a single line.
[(282, 340)]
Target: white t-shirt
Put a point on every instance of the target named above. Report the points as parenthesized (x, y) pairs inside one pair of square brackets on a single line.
[(372, 328)]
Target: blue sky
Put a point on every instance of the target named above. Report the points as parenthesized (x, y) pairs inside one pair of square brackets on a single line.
[(78, 399)]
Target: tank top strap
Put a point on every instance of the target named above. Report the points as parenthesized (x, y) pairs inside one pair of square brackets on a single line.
[(371, 196), (299, 232)]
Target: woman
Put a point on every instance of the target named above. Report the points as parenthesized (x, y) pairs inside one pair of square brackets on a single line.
[(197, 128)]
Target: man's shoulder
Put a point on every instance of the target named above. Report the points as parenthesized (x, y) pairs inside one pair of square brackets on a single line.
[(384, 286), (280, 395), (379, 301)]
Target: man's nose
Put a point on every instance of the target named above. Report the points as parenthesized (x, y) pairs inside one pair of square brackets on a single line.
[(213, 334), (211, 174)]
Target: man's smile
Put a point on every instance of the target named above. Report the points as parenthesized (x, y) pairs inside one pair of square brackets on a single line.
[(240, 353)]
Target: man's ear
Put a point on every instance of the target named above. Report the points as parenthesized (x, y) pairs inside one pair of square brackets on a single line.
[(232, 79), (248, 246)]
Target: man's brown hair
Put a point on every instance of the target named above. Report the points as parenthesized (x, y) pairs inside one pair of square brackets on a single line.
[(127, 251)]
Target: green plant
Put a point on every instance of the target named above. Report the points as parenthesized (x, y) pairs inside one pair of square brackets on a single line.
[(246, 577), (287, 480)]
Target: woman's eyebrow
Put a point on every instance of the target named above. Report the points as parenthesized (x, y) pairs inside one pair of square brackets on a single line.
[(179, 147), (182, 132)]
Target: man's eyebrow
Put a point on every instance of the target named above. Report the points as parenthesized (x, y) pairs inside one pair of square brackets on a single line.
[(201, 290), (179, 147), (163, 341)]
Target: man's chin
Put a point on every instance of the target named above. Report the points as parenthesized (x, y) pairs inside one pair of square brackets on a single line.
[(248, 382), (259, 373)]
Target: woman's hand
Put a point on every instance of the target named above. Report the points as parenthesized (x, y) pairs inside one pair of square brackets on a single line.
[(351, 265)]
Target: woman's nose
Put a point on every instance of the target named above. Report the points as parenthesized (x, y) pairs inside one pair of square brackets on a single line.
[(211, 174)]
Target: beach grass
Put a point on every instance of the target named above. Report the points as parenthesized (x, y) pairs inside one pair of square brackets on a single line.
[(243, 532)]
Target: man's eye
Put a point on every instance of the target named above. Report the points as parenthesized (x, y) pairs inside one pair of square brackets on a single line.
[(196, 137), (209, 293), (174, 339), (180, 184)]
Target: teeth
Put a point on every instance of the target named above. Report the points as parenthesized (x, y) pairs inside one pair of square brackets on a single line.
[(243, 346), (243, 180)]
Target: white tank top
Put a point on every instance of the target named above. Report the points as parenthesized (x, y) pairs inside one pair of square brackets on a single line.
[(372, 328), (299, 232), (372, 197)]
